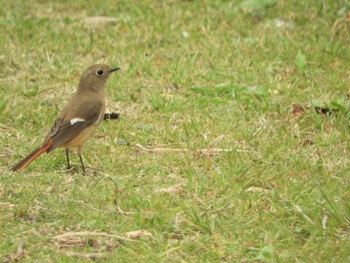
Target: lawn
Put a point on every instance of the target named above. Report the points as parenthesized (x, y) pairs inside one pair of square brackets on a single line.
[(232, 143)]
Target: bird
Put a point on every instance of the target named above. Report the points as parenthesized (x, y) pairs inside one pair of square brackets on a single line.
[(79, 119)]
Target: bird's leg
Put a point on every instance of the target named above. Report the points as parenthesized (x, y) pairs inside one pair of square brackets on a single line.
[(81, 158), (82, 163), (67, 155)]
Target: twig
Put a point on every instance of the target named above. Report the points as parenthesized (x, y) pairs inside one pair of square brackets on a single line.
[(88, 233), (181, 150)]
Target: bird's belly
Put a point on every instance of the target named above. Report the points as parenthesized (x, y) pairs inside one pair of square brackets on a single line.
[(81, 138)]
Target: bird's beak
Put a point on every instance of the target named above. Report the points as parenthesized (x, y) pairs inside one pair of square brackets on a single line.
[(113, 69)]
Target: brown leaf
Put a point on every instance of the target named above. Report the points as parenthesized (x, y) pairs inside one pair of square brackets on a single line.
[(297, 110), (308, 142)]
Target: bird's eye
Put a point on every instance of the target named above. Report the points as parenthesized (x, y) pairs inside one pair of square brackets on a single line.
[(100, 72)]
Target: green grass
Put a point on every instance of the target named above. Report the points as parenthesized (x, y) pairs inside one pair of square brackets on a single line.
[(194, 73)]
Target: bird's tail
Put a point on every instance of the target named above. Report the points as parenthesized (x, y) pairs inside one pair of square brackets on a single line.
[(32, 156)]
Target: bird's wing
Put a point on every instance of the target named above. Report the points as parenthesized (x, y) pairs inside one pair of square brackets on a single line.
[(65, 129)]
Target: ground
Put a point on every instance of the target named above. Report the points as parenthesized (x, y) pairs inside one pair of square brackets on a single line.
[(232, 143)]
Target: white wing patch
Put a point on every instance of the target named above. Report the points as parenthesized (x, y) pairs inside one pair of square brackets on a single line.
[(75, 120)]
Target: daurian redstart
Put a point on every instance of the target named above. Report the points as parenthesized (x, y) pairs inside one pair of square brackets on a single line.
[(79, 119)]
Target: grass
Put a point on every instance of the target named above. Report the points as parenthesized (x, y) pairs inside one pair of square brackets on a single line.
[(194, 74)]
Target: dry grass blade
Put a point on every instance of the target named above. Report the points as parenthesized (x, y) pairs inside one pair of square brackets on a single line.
[(298, 209), (94, 20), (171, 189), (137, 234), (6, 204), (20, 250), (87, 255), (120, 210), (254, 189), (88, 233)]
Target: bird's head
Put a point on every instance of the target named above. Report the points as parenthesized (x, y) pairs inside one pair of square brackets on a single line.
[(95, 76)]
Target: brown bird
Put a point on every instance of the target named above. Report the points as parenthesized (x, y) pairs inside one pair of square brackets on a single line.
[(79, 119)]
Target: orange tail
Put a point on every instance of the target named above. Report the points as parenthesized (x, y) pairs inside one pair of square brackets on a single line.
[(31, 157)]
